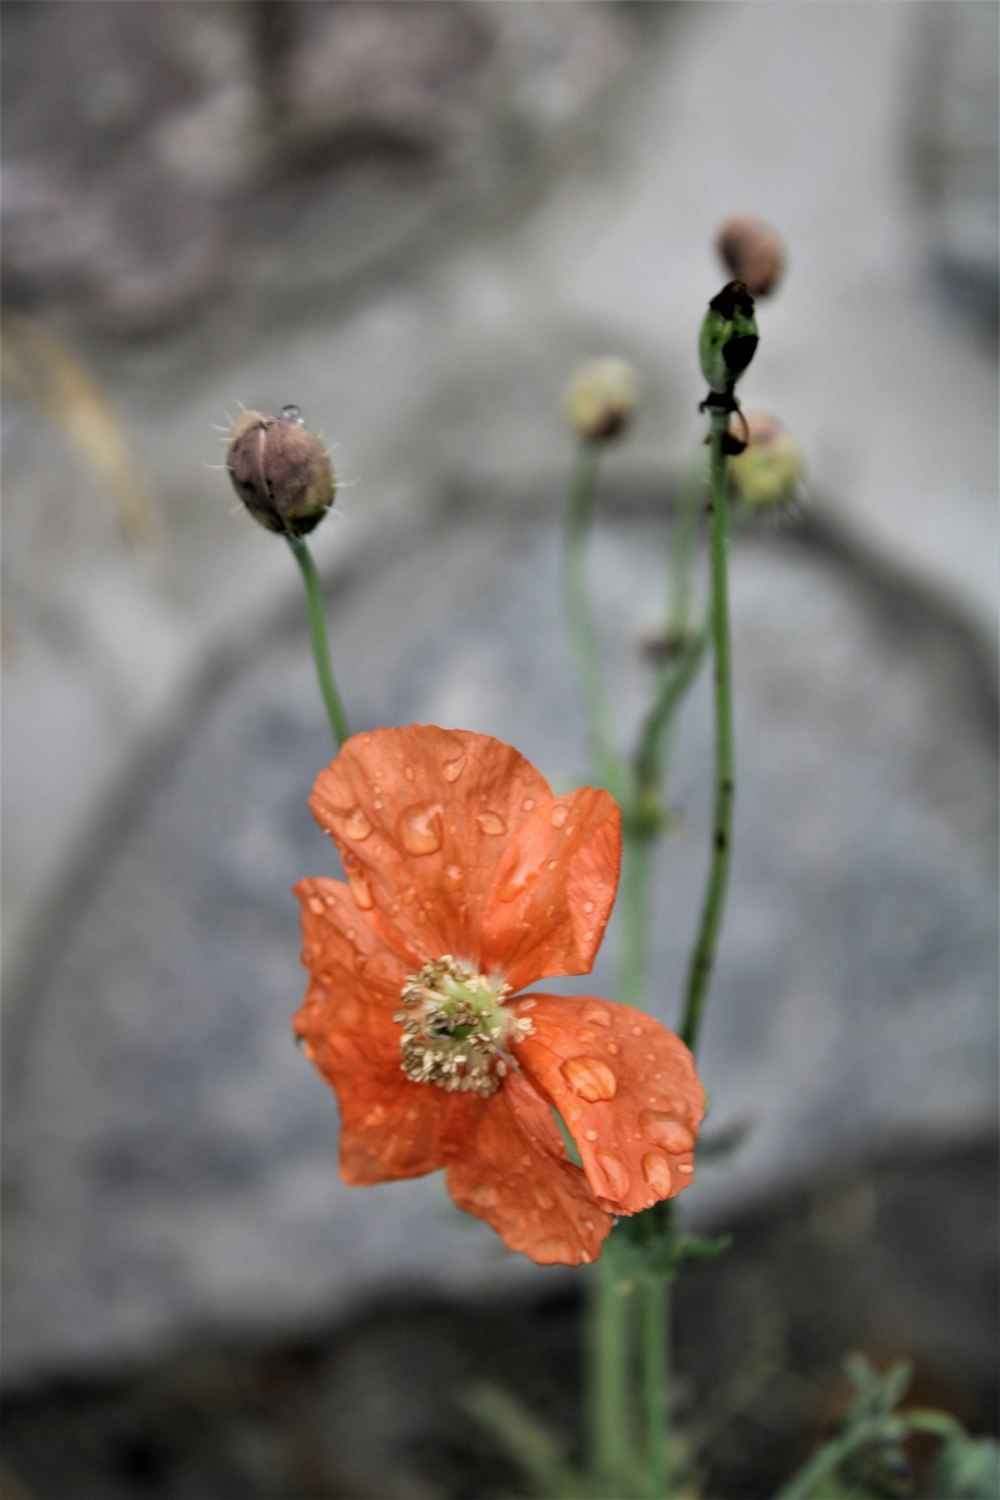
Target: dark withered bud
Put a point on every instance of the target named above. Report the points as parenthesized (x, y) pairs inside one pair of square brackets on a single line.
[(752, 252), (281, 471), (728, 338)]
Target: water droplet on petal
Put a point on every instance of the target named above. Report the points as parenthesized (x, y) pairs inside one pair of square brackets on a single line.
[(452, 769), (588, 907), (375, 1114), (656, 1170), (527, 1161), (356, 824), (484, 1195), (685, 1168), (528, 804), (420, 828), (615, 1172), (559, 815), (543, 1197), (453, 874), (665, 1131), (613, 1048), (592, 1079), (316, 905), (596, 1014), (528, 1004), (360, 890), (491, 822), (590, 1135), (408, 772), (586, 1035), (409, 895)]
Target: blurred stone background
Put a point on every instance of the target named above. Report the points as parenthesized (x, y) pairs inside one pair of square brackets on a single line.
[(414, 220)]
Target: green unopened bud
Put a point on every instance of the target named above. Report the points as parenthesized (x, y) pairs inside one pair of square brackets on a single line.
[(281, 471), (766, 475), (601, 399), (728, 338), (752, 252)]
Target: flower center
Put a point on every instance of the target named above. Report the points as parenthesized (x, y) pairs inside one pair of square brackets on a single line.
[(456, 1027)]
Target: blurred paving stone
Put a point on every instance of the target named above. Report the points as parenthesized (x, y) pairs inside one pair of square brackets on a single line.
[(171, 1159)]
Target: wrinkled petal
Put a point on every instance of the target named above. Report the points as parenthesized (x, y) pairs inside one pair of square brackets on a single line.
[(390, 1126), (421, 817), (553, 889), (626, 1088), (513, 1172)]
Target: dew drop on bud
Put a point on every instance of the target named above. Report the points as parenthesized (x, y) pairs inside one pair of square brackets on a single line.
[(293, 414)]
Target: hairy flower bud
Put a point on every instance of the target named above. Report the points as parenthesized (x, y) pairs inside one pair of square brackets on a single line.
[(728, 338), (601, 399), (766, 474), (281, 471), (752, 252)]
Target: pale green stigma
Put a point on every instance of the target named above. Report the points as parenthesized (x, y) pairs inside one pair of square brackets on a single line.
[(456, 1027)]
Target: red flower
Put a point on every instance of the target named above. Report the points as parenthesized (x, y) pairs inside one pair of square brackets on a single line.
[(466, 881)]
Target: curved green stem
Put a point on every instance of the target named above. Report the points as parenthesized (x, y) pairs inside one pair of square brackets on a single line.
[(600, 722), (654, 1308), (317, 635), (703, 956), (829, 1458), (683, 543)]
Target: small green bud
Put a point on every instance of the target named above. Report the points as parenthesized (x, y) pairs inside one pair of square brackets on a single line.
[(601, 399), (752, 252), (766, 474), (281, 471), (728, 338)]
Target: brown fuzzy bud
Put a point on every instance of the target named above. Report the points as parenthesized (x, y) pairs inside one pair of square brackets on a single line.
[(281, 471), (752, 252), (601, 399), (766, 474)]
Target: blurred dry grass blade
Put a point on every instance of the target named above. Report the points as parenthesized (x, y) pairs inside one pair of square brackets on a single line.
[(47, 373)]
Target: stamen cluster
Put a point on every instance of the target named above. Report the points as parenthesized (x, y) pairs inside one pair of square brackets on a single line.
[(456, 1027)]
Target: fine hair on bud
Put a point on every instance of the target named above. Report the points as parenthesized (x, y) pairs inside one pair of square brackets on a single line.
[(281, 471), (601, 399), (752, 252)]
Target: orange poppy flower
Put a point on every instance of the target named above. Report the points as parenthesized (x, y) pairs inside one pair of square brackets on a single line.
[(467, 880)]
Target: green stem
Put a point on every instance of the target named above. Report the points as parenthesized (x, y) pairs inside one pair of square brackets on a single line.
[(654, 1309), (829, 1458), (317, 635), (583, 637), (682, 547), (609, 1426), (609, 1351), (703, 956), (674, 682)]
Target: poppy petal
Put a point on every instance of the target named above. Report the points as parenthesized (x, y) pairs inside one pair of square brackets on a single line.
[(627, 1090), (553, 889), (390, 1126), (421, 817), (513, 1172)]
